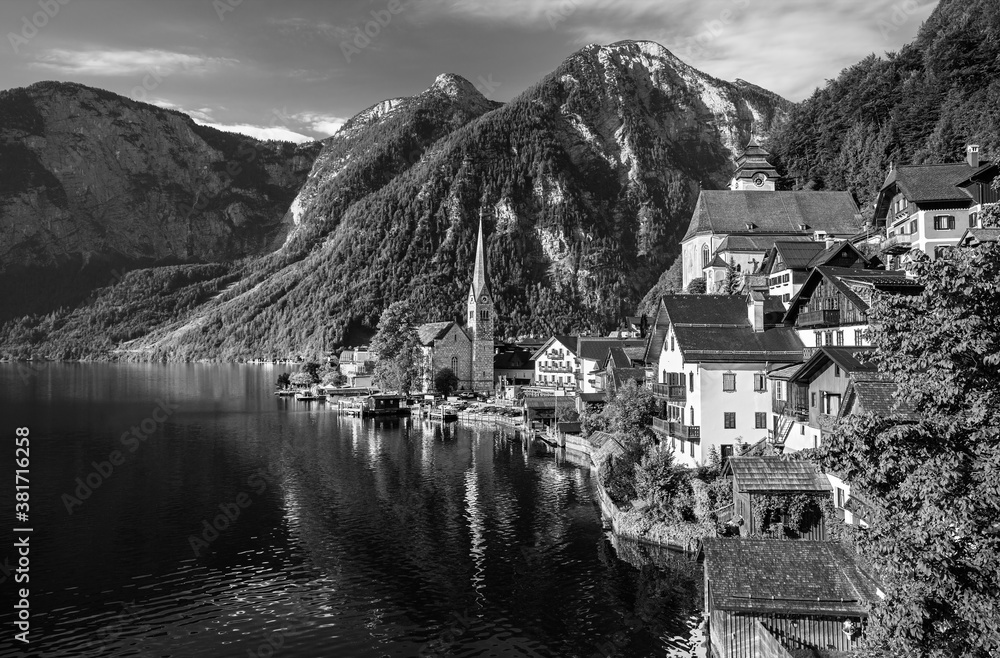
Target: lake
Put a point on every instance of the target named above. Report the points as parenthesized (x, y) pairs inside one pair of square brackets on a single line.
[(184, 510)]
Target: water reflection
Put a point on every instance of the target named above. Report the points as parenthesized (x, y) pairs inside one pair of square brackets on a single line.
[(361, 538)]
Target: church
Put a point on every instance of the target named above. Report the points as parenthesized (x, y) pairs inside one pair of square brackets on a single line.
[(467, 350)]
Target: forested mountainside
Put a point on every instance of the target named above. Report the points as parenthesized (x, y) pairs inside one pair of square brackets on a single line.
[(585, 183), (93, 183), (923, 104)]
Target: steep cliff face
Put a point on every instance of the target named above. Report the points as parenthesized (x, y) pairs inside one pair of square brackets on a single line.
[(89, 179), (585, 183)]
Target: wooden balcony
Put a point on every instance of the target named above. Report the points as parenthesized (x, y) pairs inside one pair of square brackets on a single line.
[(798, 412), (563, 369), (897, 244), (824, 318), (676, 430), (670, 393)]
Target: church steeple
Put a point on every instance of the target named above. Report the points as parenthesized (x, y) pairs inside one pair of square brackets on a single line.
[(754, 170), (479, 284), (481, 319)]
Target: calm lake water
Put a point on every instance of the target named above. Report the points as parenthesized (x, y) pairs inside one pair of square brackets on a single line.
[(343, 537)]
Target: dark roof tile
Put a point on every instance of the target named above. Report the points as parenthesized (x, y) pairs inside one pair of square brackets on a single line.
[(728, 211)]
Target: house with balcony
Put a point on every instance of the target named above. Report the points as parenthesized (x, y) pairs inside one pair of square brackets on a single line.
[(742, 223), (784, 598), (831, 308), (787, 264), (558, 368), (708, 357), (812, 396), (929, 207)]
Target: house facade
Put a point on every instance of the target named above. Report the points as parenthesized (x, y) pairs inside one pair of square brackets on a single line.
[(713, 353), (593, 352), (929, 207), (557, 366)]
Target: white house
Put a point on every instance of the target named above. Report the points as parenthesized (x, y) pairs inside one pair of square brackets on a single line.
[(712, 354), (929, 207), (557, 366)]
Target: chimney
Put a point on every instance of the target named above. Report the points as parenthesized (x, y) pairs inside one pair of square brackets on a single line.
[(830, 242), (755, 310), (972, 155)]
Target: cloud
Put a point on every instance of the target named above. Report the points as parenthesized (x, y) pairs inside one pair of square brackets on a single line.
[(260, 132), (113, 63), (323, 124), (300, 28)]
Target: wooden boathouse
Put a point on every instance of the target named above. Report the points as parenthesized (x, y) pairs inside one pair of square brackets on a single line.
[(780, 599)]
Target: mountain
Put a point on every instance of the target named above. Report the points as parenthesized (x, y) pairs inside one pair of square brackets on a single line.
[(585, 183), (923, 104), (92, 183)]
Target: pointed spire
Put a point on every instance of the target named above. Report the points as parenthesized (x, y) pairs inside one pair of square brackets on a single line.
[(479, 276)]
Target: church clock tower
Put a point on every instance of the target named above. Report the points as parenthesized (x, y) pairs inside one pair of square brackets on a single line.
[(481, 318), (754, 170)]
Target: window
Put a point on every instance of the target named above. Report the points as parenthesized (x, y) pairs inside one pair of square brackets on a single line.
[(726, 451), (454, 364), (671, 343), (759, 382), (779, 391), (840, 338), (802, 430), (760, 420), (812, 399), (692, 417), (829, 338), (664, 380), (859, 336), (484, 315), (692, 449), (691, 381), (840, 498), (704, 256), (729, 382), (944, 222), (819, 338), (973, 220), (836, 370), (913, 227), (730, 420)]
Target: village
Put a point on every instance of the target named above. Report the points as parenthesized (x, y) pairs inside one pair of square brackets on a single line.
[(742, 375)]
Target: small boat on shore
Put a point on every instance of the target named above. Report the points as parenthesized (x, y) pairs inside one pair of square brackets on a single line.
[(445, 414), (308, 396)]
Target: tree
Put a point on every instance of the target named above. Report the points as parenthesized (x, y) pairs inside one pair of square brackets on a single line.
[(301, 380), (283, 380), (312, 369), (934, 538), (333, 377), (732, 284), (629, 412), (397, 348), (445, 381), (696, 286), (657, 479)]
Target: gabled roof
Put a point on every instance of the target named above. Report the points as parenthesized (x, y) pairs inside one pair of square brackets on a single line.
[(569, 342), (933, 182), (596, 349), (774, 473), (974, 236), (878, 397), (774, 212), (622, 375), (654, 345), (823, 357), (716, 328), (517, 359), (841, 252), (432, 331), (790, 577), (846, 280), (785, 373), (716, 262)]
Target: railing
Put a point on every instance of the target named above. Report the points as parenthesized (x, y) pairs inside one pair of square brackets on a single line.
[(725, 513), (565, 369), (786, 408), (824, 318), (897, 244), (677, 430), (670, 392)]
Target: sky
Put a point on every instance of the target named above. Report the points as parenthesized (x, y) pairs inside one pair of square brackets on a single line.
[(297, 69)]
